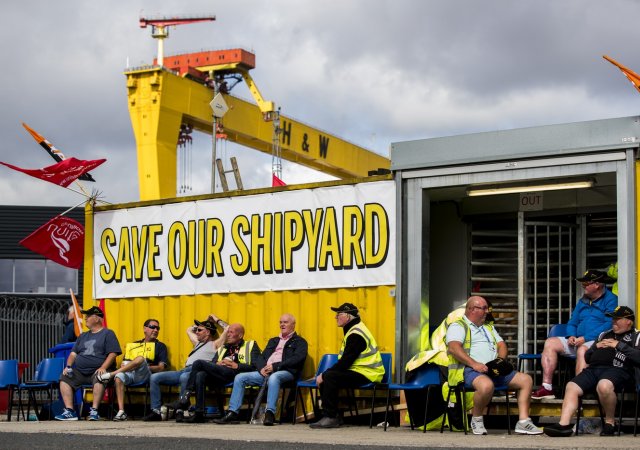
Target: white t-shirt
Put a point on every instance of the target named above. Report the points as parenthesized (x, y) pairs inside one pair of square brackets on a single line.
[(482, 348)]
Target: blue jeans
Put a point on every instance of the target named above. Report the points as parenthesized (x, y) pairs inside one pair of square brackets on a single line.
[(245, 379), (171, 378)]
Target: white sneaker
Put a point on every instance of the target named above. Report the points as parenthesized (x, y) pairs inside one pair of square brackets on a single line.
[(105, 377), (527, 427), (477, 427), (121, 416)]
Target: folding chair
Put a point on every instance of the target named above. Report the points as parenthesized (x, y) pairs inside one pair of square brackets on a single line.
[(9, 381), (426, 376), (327, 361), (46, 378)]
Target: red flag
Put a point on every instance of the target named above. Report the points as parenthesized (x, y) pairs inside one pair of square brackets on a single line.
[(102, 306), (630, 74), (52, 150), (275, 181), (60, 240), (77, 315), (63, 173)]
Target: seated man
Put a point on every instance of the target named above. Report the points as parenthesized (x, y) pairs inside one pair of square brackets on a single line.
[(93, 353), (236, 356), (206, 342), (611, 365), (141, 359), (281, 361), (472, 343), (359, 362), (588, 320)]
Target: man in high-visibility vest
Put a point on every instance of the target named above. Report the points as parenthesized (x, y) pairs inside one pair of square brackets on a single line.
[(359, 363), (236, 356), (474, 347)]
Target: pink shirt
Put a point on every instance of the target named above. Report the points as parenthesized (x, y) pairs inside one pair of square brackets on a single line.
[(276, 356)]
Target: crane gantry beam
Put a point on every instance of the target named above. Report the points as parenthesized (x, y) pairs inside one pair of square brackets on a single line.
[(160, 101)]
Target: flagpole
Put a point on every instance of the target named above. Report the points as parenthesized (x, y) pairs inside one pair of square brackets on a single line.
[(73, 207)]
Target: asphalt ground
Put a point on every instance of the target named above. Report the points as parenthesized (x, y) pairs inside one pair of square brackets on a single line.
[(160, 435)]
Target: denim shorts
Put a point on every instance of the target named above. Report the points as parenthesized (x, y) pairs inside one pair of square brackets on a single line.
[(470, 375), (140, 375)]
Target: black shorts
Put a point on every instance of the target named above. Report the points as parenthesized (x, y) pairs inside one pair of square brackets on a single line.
[(589, 377)]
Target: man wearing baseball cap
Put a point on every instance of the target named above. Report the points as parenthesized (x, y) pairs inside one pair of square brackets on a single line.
[(611, 365), (587, 321), (359, 362), (206, 342), (93, 354)]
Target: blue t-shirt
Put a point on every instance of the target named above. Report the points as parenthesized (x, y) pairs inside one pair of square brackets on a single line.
[(93, 348)]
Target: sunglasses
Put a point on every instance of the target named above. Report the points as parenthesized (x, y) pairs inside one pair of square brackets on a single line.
[(154, 327), (200, 330)]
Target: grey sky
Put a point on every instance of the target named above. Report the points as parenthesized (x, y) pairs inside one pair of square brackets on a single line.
[(373, 72)]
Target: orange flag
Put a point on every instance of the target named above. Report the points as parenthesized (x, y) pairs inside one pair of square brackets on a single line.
[(77, 315), (630, 74)]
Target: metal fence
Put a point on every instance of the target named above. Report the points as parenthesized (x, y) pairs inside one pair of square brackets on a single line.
[(29, 327)]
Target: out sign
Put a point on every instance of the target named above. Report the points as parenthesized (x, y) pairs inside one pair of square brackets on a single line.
[(531, 201)]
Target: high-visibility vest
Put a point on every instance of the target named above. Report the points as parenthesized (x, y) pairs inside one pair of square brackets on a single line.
[(244, 353), (369, 362), (456, 368)]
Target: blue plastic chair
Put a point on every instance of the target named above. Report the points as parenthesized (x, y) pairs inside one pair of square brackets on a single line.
[(460, 392), (556, 330), (46, 378), (327, 361), (386, 379), (144, 385), (9, 380), (426, 376)]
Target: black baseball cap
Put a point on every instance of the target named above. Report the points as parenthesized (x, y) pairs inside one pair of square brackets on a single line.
[(209, 325), (595, 276), (348, 308), (93, 311), (622, 312)]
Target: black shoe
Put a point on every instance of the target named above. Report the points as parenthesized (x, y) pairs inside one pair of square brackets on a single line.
[(182, 402), (152, 417), (196, 417), (557, 430), (229, 417), (179, 416), (326, 422), (609, 429), (269, 418)]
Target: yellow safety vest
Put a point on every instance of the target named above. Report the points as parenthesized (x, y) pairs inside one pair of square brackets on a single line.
[(369, 362), (456, 368), (244, 353)]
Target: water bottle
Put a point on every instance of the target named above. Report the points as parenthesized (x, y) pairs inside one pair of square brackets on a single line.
[(257, 420), (70, 372), (163, 412)]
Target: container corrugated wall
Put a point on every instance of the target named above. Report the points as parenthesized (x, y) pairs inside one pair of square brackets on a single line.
[(259, 313)]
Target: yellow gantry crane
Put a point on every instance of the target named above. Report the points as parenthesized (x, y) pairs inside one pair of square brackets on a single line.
[(162, 98)]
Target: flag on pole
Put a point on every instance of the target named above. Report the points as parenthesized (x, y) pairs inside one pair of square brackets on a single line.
[(102, 306), (77, 315), (61, 240), (275, 181), (63, 173), (630, 74), (56, 154)]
